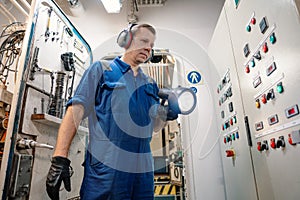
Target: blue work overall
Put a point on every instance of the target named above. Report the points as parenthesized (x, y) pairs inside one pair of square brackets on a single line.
[(119, 163)]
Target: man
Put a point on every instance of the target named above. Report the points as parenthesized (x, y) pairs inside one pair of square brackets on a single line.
[(118, 99)]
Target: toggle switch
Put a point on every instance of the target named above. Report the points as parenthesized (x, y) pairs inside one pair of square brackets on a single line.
[(291, 140), (262, 146), (270, 94), (257, 55), (280, 142), (230, 153)]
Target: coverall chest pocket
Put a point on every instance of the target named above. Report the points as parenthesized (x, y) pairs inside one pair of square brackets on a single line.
[(110, 94)]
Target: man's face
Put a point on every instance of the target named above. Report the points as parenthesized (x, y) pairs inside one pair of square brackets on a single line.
[(142, 44)]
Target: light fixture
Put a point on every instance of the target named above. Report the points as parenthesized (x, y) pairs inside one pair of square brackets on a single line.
[(112, 6)]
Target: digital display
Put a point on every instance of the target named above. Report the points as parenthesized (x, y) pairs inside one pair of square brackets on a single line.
[(263, 25), (246, 50)]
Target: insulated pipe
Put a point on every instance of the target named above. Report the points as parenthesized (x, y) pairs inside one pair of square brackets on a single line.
[(19, 7), (8, 14)]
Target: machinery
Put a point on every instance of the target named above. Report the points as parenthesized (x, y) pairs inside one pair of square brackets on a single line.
[(54, 57)]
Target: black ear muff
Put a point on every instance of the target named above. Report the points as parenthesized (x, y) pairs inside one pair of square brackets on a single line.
[(125, 37)]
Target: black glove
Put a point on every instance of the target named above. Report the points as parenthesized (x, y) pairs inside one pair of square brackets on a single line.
[(59, 171)]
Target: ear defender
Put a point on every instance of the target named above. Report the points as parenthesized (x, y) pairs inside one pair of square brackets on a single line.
[(125, 37)]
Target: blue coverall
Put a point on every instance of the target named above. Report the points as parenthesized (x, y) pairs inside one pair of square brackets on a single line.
[(119, 163)]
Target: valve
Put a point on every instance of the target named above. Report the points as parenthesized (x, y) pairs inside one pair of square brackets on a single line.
[(31, 144)]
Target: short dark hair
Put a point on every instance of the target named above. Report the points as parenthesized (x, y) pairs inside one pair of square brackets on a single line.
[(147, 26)]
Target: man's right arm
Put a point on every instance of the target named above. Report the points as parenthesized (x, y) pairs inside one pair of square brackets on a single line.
[(68, 129), (60, 169)]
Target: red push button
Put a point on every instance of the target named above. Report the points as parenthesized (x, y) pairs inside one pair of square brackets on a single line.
[(259, 146), (253, 21), (265, 48), (247, 69), (264, 99), (272, 143)]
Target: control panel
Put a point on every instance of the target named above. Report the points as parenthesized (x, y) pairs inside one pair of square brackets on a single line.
[(265, 46)]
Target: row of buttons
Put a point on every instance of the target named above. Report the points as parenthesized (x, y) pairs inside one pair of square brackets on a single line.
[(263, 45), (231, 137), (293, 139), (270, 95), (264, 146), (289, 112), (228, 123)]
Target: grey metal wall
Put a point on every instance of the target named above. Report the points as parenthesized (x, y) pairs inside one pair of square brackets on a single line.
[(267, 168)]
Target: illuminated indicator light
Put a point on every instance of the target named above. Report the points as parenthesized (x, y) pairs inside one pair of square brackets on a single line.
[(272, 38), (253, 21), (273, 119), (237, 135), (292, 111), (257, 103), (233, 136), (231, 122), (263, 99), (272, 143), (252, 63), (234, 119), (230, 153), (265, 48), (248, 28), (225, 140), (247, 69), (279, 87)]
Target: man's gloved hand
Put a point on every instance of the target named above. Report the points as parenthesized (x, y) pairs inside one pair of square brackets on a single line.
[(59, 171)]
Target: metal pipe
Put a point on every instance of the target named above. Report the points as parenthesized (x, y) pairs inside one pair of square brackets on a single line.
[(19, 7), (12, 18)]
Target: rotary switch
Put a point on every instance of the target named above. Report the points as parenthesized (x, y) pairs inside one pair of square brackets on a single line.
[(280, 142)]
